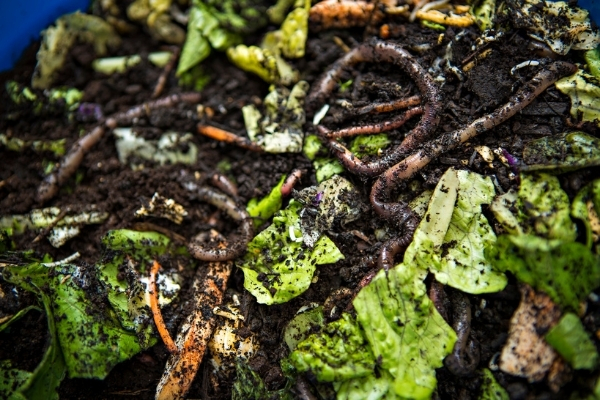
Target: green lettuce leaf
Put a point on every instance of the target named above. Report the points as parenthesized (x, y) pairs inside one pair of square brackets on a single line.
[(204, 32), (566, 271), (302, 325), (369, 145), (278, 266), (47, 376), (452, 236), (325, 167), (573, 343), (91, 338), (592, 59), (248, 385), (393, 350), (586, 208), (584, 91), (540, 207), (264, 209), (491, 389), (562, 153), (340, 352)]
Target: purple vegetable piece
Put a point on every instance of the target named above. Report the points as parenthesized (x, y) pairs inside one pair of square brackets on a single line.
[(317, 200), (89, 112)]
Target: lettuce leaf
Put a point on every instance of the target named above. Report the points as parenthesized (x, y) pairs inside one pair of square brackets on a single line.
[(540, 207), (562, 153), (566, 271), (586, 208), (263, 209), (390, 351), (452, 236), (572, 342), (491, 389), (584, 91), (278, 266)]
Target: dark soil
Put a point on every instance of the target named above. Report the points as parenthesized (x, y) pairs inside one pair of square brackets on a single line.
[(115, 188)]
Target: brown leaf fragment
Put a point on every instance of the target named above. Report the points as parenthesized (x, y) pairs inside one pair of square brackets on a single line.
[(526, 353)]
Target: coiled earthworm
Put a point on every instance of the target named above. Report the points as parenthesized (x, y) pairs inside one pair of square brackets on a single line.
[(226, 204), (377, 51), (70, 162)]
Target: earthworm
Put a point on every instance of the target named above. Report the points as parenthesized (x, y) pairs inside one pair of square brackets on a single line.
[(465, 356), (378, 51), (390, 106), (522, 98), (371, 129), (409, 221), (224, 203), (224, 184), (70, 162), (162, 79), (290, 182)]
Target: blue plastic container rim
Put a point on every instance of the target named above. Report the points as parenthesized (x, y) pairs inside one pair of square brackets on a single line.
[(21, 22)]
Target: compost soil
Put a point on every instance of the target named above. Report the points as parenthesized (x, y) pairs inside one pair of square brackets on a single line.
[(102, 180)]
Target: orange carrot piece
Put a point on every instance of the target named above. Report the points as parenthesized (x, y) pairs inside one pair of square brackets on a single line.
[(158, 319)]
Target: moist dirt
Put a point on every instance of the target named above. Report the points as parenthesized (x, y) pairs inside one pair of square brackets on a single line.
[(117, 189)]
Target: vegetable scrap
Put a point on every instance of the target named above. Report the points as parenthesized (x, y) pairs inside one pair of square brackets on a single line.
[(381, 238)]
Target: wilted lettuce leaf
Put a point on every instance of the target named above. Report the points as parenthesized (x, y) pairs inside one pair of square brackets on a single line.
[(393, 351), (340, 352), (539, 208), (127, 252), (267, 60), (91, 335), (566, 271), (452, 236), (561, 153), (541, 20), (334, 202), (491, 389), (253, 59), (573, 343), (325, 167), (277, 128), (367, 145), (484, 12), (301, 326), (264, 209), (294, 31), (57, 41), (592, 59), (248, 385), (586, 208), (203, 33), (278, 266), (91, 338), (45, 379), (584, 91)]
